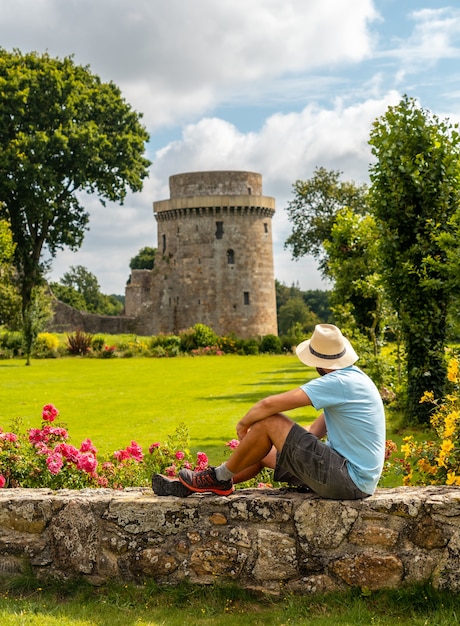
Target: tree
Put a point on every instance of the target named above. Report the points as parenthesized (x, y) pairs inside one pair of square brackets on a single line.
[(296, 312), (144, 259), (62, 132), (354, 264), (80, 288), (314, 208), (414, 194)]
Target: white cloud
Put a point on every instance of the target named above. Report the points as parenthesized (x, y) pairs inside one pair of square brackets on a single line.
[(175, 59)]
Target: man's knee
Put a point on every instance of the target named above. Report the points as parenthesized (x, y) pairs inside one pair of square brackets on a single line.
[(277, 428)]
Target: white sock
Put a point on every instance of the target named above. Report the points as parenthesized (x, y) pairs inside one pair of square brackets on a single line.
[(223, 473)]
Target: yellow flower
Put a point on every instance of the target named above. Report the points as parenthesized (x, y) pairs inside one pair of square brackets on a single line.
[(452, 479), (452, 371), (426, 467), (428, 396), (446, 447), (406, 448)]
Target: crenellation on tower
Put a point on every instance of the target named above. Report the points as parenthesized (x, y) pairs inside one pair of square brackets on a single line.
[(214, 263)]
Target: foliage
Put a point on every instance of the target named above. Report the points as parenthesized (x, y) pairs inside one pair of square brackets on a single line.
[(79, 342), (11, 344), (314, 208), (10, 301), (200, 336), (437, 461), (144, 259), (63, 132), (80, 289), (414, 194), (46, 346), (353, 263), (296, 313), (35, 317), (271, 344)]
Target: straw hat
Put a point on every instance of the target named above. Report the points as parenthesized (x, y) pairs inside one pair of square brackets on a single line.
[(327, 348)]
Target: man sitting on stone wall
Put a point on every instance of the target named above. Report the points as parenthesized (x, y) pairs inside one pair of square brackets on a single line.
[(346, 466)]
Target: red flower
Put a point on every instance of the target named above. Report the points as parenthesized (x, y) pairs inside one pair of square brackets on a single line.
[(49, 413), (2, 481)]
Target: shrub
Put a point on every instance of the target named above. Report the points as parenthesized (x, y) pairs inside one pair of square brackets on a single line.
[(271, 344), (98, 343), (45, 346), (13, 342), (199, 336), (248, 346), (79, 343), (165, 345)]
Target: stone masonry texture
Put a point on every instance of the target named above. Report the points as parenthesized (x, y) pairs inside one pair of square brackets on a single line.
[(259, 539)]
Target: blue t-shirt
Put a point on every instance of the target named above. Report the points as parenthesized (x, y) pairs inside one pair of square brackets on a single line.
[(355, 421)]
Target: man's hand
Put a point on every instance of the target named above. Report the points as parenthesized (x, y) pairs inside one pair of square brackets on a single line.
[(241, 430)]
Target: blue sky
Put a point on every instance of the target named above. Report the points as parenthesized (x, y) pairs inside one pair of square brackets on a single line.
[(278, 87)]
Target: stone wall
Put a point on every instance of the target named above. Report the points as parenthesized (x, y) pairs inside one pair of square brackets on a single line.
[(260, 539), (66, 319)]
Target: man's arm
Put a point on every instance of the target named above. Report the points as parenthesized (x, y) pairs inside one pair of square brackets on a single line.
[(318, 427), (271, 406)]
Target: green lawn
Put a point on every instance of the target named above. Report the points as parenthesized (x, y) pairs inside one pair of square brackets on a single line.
[(114, 401)]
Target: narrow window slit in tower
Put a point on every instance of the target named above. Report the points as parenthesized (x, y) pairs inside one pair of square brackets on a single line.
[(219, 230)]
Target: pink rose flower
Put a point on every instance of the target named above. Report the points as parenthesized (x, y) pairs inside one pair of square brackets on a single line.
[(2, 481), (87, 446), (180, 455), (202, 461), (121, 455), (54, 463), (68, 452), (87, 462), (154, 446), (49, 413), (233, 443), (135, 451), (8, 437), (171, 470)]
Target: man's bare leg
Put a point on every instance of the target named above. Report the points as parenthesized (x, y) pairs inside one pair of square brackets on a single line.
[(258, 443), (250, 472)]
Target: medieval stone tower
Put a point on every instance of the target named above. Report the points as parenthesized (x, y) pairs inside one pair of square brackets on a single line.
[(214, 263)]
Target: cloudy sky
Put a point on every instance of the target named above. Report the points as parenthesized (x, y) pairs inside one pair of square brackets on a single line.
[(278, 87)]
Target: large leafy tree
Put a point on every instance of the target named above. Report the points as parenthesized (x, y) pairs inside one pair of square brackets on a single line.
[(62, 132), (314, 208), (414, 194)]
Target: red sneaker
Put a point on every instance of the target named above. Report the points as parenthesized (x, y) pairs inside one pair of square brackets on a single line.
[(205, 481)]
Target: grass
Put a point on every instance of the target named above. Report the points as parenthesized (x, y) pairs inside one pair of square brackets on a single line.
[(114, 401), (79, 604)]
